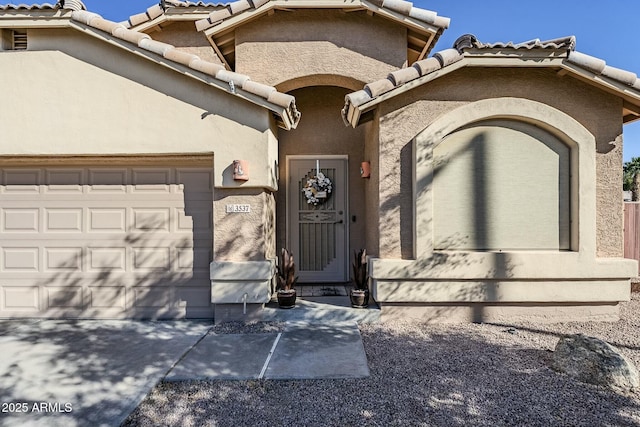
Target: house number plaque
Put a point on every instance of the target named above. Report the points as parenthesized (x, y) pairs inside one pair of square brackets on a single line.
[(238, 208)]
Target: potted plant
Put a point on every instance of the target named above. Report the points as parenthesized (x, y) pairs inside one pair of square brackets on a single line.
[(286, 280), (360, 293)]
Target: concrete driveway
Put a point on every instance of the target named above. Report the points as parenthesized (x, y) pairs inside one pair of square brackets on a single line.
[(96, 372), (85, 373)]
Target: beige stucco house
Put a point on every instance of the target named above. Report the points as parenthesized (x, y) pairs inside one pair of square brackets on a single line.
[(153, 168)]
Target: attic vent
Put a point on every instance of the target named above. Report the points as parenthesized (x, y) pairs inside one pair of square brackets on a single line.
[(19, 40)]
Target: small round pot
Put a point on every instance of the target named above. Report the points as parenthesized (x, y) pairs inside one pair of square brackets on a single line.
[(359, 298), (287, 299)]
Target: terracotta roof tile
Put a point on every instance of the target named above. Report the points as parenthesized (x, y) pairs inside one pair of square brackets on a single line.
[(467, 45), (401, 7), (623, 76), (427, 66), (177, 3), (239, 6), (206, 67), (170, 53), (259, 89), (379, 87), (22, 6), (282, 99), (560, 43), (60, 4), (591, 63), (214, 18), (128, 35), (448, 56), (157, 10), (181, 57), (105, 25), (404, 75), (358, 98)]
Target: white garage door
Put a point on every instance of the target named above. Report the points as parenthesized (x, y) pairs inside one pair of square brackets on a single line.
[(105, 242)]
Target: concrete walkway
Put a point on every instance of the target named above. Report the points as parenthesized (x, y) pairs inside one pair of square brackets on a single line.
[(301, 351), (94, 373)]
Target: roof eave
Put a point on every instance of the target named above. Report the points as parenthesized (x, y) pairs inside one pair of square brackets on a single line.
[(352, 114), (169, 16), (429, 32), (629, 94), (249, 14), (48, 18), (287, 118)]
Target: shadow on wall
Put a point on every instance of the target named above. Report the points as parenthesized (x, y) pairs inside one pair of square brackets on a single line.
[(244, 236), (148, 259), (486, 232)]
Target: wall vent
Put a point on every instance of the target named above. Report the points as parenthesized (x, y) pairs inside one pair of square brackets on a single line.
[(19, 40)]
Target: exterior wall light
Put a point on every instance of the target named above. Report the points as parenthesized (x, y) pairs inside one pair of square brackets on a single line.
[(241, 170), (365, 170)]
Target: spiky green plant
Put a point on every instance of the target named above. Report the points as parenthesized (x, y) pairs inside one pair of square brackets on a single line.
[(360, 269), (286, 272)]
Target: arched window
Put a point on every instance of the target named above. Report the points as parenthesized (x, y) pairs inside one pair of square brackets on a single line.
[(501, 185)]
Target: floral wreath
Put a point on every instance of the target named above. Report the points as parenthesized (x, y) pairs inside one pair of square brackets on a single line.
[(317, 189)]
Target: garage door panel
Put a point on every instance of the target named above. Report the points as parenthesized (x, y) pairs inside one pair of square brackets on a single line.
[(64, 297), (107, 220), (151, 259), (107, 297), (63, 220), (21, 181), (151, 219), (20, 220), (195, 181), (64, 181), (20, 259), (58, 259), (112, 180), (107, 242), (152, 180), (107, 259), (24, 299)]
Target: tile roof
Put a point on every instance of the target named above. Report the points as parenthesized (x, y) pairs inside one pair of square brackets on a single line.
[(168, 5), (22, 6), (561, 43), (60, 4), (423, 27), (401, 7), (283, 105), (177, 3), (236, 83), (468, 46)]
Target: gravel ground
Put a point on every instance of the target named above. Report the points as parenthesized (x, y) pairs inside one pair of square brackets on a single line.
[(421, 375)]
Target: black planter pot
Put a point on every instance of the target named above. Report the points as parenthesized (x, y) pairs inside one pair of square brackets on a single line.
[(287, 299), (359, 298)]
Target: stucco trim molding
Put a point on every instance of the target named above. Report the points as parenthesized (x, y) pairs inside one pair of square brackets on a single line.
[(237, 282), (505, 277), (567, 129)]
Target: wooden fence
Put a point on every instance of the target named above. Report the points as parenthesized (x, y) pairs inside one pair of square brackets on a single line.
[(632, 230)]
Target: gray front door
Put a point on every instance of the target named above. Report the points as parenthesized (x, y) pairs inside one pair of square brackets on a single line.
[(318, 232)]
